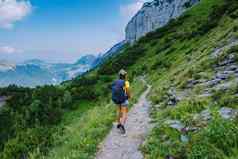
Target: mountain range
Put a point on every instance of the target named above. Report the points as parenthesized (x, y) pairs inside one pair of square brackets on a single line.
[(37, 72)]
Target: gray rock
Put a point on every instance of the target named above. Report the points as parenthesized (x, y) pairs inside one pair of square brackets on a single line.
[(176, 124), (154, 15), (232, 68), (228, 113), (205, 115), (222, 76), (219, 50), (173, 99), (228, 61), (224, 86), (213, 82), (205, 94), (228, 72), (184, 138)]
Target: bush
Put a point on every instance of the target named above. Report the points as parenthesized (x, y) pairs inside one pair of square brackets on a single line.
[(164, 141), (215, 141), (27, 141), (202, 149)]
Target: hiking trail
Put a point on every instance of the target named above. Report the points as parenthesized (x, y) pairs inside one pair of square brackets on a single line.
[(116, 146)]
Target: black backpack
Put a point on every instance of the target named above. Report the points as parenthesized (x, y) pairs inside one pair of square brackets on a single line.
[(118, 92)]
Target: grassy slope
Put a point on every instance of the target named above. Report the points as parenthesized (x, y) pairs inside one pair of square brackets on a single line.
[(189, 58), (85, 128), (168, 57)]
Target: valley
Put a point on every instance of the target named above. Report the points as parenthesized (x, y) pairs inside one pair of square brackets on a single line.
[(35, 72), (189, 102)]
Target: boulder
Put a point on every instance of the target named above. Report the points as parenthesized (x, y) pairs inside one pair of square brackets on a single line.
[(228, 113), (176, 124)]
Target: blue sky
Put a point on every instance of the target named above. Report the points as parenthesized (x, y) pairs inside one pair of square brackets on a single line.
[(62, 30)]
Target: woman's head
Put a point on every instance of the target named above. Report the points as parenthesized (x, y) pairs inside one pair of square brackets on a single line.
[(122, 74)]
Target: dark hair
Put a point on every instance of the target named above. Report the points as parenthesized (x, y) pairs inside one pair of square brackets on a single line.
[(122, 77)]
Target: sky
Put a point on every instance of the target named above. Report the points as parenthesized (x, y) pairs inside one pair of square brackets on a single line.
[(62, 30)]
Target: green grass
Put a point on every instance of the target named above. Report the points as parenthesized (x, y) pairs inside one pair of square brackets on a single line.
[(171, 63), (83, 129)]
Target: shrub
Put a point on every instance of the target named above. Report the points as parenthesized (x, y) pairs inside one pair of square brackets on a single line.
[(218, 139), (164, 141), (202, 149)]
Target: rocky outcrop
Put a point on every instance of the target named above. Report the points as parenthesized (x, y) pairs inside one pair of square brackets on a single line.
[(154, 15)]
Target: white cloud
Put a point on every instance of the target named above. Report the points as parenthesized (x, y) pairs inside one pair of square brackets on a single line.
[(129, 10), (8, 50), (12, 11)]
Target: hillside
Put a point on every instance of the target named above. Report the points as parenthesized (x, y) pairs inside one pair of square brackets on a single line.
[(192, 65)]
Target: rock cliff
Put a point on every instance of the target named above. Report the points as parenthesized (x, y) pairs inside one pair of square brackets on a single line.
[(154, 15)]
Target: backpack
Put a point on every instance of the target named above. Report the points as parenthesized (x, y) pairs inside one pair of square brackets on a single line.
[(118, 93)]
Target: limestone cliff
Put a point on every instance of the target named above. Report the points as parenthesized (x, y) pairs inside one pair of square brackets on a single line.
[(154, 15)]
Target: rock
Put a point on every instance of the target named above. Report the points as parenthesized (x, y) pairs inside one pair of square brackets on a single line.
[(228, 61), (213, 82), (224, 86), (205, 115), (157, 106), (222, 76), (228, 72), (176, 124), (228, 113), (205, 94), (184, 138), (232, 68), (154, 15), (236, 71), (191, 83), (173, 99)]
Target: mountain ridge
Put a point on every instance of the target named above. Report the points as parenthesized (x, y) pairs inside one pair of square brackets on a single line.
[(37, 72)]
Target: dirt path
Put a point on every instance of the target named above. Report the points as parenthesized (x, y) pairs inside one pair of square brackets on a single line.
[(138, 125)]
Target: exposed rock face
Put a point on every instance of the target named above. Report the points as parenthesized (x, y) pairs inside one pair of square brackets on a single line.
[(154, 15)]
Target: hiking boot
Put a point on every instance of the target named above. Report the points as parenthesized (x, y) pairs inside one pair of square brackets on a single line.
[(122, 130)]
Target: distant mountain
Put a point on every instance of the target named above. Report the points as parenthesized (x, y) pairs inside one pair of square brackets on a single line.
[(5, 66), (36, 72), (86, 60), (114, 50)]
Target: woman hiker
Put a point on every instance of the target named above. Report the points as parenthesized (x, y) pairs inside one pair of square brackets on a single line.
[(120, 96)]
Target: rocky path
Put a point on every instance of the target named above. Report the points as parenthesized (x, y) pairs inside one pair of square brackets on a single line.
[(138, 125)]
